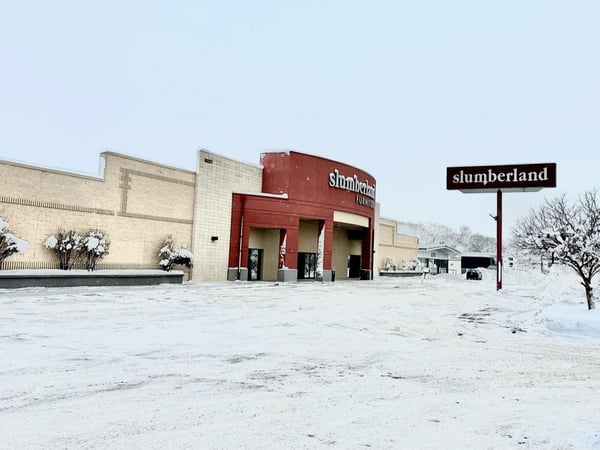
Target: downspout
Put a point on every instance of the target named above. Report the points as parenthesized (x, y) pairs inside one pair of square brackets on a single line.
[(240, 247), (372, 254)]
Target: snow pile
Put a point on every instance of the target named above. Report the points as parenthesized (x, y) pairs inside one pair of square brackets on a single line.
[(565, 319), (555, 301)]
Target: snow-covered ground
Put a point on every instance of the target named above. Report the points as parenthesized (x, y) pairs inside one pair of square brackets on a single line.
[(440, 363)]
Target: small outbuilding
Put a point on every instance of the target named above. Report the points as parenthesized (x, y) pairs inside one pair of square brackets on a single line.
[(439, 258)]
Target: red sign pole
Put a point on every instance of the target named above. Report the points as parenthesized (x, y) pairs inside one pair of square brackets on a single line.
[(499, 240)]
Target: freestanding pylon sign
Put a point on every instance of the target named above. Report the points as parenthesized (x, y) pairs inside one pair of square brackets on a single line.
[(505, 178)]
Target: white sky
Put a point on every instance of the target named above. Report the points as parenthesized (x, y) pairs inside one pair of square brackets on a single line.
[(400, 89)]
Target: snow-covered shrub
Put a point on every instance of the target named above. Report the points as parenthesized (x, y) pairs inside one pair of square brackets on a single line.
[(169, 257), (67, 245), (410, 265), (390, 264), (94, 246), (9, 243)]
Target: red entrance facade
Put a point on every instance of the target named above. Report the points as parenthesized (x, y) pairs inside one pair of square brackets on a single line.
[(314, 219)]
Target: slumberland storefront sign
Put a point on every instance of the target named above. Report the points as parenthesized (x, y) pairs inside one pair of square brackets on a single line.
[(499, 179), (508, 178), (362, 188)]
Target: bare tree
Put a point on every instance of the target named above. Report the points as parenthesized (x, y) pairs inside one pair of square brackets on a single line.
[(568, 233), (481, 243)]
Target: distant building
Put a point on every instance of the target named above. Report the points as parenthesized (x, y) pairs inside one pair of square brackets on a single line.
[(439, 258), (521, 262)]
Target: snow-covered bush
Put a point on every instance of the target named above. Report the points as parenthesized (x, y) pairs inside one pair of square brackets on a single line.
[(67, 246), (390, 264), (169, 257), (94, 246), (410, 265), (9, 243)]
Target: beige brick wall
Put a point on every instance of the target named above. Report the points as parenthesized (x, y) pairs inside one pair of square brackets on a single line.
[(398, 247), (217, 178), (136, 202)]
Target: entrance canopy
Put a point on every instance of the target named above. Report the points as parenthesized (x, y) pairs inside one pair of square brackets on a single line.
[(350, 219)]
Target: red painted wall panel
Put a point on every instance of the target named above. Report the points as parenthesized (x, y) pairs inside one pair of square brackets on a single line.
[(305, 179)]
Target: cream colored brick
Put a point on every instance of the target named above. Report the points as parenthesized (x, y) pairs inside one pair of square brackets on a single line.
[(400, 248), (158, 201), (215, 183)]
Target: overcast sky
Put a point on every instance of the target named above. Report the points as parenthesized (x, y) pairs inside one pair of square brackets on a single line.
[(400, 89)]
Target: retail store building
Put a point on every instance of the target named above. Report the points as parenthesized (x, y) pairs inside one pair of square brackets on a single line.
[(293, 216)]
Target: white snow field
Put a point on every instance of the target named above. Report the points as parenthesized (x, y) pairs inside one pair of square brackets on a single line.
[(440, 363)]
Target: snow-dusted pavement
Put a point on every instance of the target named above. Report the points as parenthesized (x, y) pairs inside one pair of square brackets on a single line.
[(441, 363)]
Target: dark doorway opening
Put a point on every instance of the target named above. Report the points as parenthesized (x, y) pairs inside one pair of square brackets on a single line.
[(353, 266), (307, 266)]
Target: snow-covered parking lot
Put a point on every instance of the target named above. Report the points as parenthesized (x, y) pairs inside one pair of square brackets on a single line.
[(392, 363)]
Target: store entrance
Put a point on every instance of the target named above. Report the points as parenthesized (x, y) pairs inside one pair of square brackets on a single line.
[(307, 266), (255, 258), (353, 266)]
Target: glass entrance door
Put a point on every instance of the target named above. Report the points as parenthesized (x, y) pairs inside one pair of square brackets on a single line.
[(307, 266), (255, 256)]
